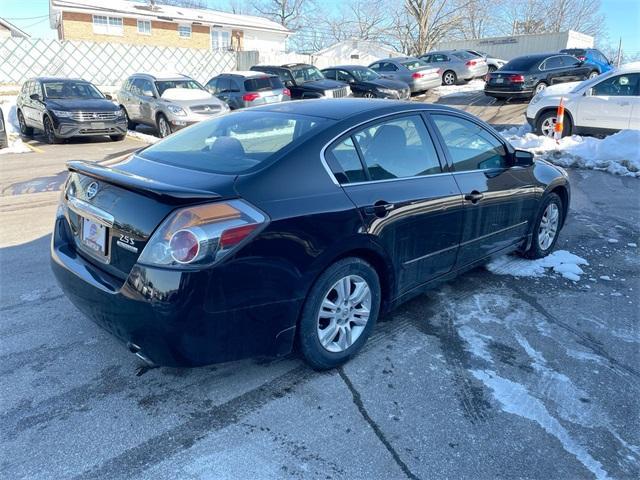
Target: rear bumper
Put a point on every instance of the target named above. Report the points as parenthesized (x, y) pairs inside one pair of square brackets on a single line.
[(491, 92), (426, 84), (176, 318), (68, 129)]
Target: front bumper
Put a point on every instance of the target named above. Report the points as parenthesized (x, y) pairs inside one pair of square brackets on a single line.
[(65, 128), (177, 318)]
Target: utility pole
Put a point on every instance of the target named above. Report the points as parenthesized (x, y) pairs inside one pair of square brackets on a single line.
[(619, 57)]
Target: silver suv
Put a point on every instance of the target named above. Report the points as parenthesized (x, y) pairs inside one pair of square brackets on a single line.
[(167, 102)]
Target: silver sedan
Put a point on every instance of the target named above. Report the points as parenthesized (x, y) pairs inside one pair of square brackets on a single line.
[(457, 66)]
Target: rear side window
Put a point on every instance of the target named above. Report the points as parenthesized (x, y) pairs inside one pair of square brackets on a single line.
[(553, 62), (470, 146), (398, 148), (233, 143), (262, 83), (462, 55), (346, 155), (414, 64)]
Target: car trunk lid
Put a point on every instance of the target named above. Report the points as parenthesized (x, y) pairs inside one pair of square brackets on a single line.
[(112, 211)]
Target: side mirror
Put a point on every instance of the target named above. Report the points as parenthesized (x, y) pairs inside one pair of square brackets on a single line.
[(34, 96), (522, 158), (148, 93), (588, 92), (108, 97)]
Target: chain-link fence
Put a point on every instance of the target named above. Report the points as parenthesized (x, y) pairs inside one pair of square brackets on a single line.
[(104, 63)]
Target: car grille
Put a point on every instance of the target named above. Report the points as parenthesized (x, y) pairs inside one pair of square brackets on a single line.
[(337, 93), (206, 109), (93, 116)]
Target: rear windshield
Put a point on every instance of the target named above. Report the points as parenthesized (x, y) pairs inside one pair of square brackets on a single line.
[(233, 143), (521, 63), (262, 83), (414, 64), (464, 55)]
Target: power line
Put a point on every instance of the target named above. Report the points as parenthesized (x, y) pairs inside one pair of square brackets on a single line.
[(27, 18)]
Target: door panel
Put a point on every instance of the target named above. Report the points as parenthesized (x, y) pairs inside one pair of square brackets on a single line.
[(499, 200), (391, 172)]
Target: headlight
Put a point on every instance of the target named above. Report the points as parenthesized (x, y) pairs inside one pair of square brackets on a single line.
[(120, 113), (176, 110), (388, 91), (62, 113)]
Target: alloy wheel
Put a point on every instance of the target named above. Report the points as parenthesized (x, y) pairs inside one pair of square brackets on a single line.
[(449, 78), (548, 126), (548, 226), (540, 87), (48, 131), (593, 74), (22, 123), (369, 95), (344, 313), (164, 127)]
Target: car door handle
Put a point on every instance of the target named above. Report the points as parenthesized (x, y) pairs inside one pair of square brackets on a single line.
[(474, 197), (380, 209)]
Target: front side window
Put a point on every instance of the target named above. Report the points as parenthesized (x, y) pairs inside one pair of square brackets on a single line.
[(398, 148), (105, 25), (184, 31), (344, 76), (144, 27), (364, 74), (470, 146), (306, 74), (618, 86), (330, 74), (233, 143), (142, 86), (414, 64), (70, 89)]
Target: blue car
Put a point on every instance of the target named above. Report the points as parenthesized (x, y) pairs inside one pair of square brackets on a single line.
[(592, 56)]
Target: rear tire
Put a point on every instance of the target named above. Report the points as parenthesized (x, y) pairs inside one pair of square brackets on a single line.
[(117, 138), (339, 313), (24, 130), (593, 74), (368, 95), (539, 87), (130, 125), (449, 78), (546, 228)]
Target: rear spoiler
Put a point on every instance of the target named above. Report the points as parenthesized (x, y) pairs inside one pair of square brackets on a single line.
[(145, 186)]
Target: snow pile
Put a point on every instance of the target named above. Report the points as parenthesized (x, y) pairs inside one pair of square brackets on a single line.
[(455, 90), (15, 144), (565, 263), (618, 154), (142, 136)]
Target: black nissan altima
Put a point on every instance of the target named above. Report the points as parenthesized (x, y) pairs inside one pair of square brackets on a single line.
[(294, 224)]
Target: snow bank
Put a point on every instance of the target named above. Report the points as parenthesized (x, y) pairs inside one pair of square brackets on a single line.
[(455, 90), (142, 136), (618, 154), (565, 263), (15, 143)]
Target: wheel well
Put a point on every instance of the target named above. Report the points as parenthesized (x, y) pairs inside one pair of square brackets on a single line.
[(158, 116), (562, 192)]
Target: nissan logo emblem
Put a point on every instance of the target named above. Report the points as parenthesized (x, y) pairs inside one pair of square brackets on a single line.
[(92, 190)]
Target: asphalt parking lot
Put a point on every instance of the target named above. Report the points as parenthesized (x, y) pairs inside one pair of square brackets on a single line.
[(487, 376)]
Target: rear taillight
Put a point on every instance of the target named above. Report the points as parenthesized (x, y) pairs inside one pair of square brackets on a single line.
[(582, 58), (516, 78), (416, 75), (470, 63), (202, 235), (286, 92), (250, 97)]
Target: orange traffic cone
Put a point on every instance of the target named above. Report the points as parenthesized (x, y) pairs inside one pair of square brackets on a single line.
[(559, 126)]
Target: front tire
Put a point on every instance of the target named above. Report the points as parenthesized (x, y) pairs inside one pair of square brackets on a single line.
[(49, 132), (339, 313), (546, 124), (593, 74), (164, 127), (449, 78), (546, 228), (368, 95), (117, 138)]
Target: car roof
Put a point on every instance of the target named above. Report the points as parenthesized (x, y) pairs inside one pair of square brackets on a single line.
[(249, 73), (396, 59), (345, 67), (161, 76), (286, 65), (343, 108), (58, 79)]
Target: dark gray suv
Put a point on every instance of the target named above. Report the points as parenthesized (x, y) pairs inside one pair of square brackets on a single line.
[(248, 89)]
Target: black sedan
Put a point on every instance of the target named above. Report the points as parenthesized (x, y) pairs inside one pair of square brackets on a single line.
[(528, 75), (294, 223), (366, 83), (64, 108)]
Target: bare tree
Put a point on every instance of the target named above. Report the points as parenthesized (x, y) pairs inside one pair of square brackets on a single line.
[(286, 12), (580, 15)]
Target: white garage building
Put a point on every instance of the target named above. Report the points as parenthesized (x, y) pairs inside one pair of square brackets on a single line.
[(516, 45)]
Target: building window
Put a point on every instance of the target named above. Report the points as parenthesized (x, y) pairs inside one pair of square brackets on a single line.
[(104, 25), (220, 40), (184, 31), (144, 27)]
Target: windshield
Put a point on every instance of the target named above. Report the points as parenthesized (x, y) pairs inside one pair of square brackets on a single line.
[(364, 74), (414, 64), (67, 89), (307, 74), (163, 85), (233, 143)]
